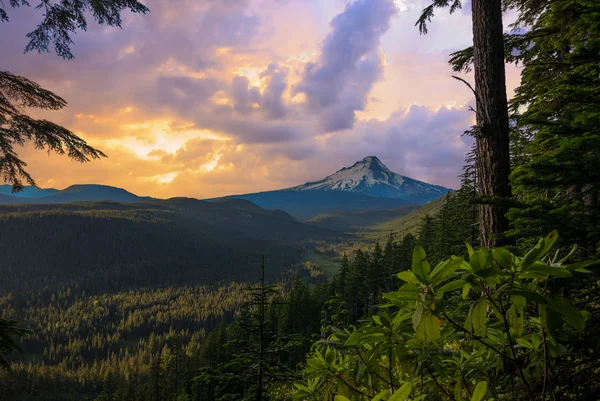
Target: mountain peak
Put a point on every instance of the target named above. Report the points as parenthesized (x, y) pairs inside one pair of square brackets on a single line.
[(371, 177), (373, 163)]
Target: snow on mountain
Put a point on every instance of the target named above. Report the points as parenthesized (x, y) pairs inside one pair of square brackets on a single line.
[(371, 177)]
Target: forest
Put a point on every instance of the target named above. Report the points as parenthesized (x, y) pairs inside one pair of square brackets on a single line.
[(492, 294)]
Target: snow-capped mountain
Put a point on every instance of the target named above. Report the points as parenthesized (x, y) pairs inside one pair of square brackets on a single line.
[(366, 185), (371, 177)]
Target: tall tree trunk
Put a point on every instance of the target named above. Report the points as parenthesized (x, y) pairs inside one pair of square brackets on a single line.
[(492, 140)]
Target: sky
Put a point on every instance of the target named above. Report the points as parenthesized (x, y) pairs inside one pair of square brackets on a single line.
[(217, 97)]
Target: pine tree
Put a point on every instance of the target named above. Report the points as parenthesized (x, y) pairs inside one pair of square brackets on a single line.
[(18, 93), (356, 290), (9, 330), (376, 275), (557, 109)]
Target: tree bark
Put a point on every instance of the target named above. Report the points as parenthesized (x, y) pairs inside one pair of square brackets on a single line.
[(492, 137)]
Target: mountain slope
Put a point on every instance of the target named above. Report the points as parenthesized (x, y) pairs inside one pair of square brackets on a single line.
[(74, 193), (371, 177), (27, 192), (110, 246), (366, 185), (347, 221)]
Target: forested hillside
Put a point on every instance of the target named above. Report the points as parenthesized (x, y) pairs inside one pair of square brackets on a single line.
[(109, 246), (491, 292)]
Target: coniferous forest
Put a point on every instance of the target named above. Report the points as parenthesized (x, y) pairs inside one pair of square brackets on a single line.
[(494, 295)]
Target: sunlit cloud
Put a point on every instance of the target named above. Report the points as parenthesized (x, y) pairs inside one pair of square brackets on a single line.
[(212, 98)]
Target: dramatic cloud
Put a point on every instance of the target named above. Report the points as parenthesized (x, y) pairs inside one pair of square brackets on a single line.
[(230, 96), (338, 84)]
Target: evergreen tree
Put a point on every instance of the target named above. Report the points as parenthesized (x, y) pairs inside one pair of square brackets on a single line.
[(356, 290), (557, 109), (18, 93), (9, 330), (376, 275)]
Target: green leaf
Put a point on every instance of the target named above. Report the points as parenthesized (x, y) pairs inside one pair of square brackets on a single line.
[(445, 269), (503, 257), (385, 319), (569, 312), (409, 277), (330, 356), (340, 398), (470, 250), (380, 396), (408, 292), (416, 318), (515, 320), (353, 339), (480, 260), (480, 391), (541, 269), (478, 318), (581, 266), (418, 258), (432, 327), (451, 286), (402, 393), (524, 343), (540, 250), (465, 290), (530, 296), (536, 340)]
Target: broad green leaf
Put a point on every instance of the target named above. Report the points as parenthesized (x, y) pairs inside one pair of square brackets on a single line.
[(445, 269), (541, 269), (465, 290), (385, 319), (409, 277), (330, 356), (478, 318), (426, 268), (408, 292), (353, 339), (416, 318), (524, 343), (340, 398), (540, 250), (420, 331), (503, 257), (536, 340), (570, 313), (417, 264), (402, 393), (470, 250), (380, 396), (432, 327), (515, 320), (480, 260), (581, 266), (451, 286), (480, 391), (530, 296), (458, 391)]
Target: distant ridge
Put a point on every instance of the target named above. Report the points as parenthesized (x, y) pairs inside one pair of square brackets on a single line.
[(74, 193)]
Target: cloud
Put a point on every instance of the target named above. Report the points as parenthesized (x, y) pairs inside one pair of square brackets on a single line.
[(338, 84), (217, 97)]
